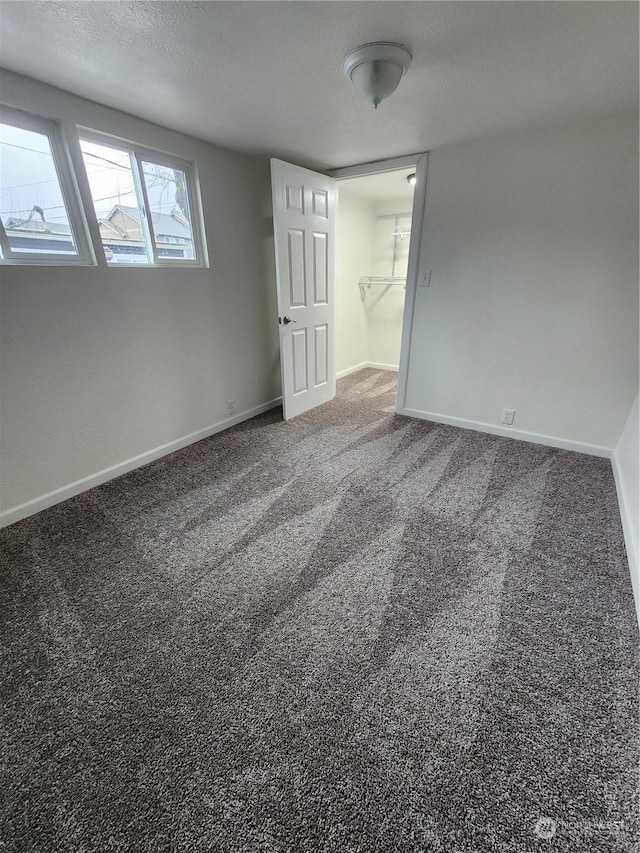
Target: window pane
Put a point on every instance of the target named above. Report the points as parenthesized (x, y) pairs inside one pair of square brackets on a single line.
[(32, 207), (169, 202), (116, 203)]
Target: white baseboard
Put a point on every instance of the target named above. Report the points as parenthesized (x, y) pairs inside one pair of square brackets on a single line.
[(630, 530), (509, 432), (378, 366), (354, 369), (374, 364), (17, 513)]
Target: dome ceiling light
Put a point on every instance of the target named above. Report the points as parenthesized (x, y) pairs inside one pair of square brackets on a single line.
[(375, 69)]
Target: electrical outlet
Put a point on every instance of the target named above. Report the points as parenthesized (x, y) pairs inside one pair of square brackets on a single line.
[(231, 406), (508, 415)]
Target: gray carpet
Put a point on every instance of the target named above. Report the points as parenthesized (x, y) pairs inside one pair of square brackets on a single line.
[(350, 633)]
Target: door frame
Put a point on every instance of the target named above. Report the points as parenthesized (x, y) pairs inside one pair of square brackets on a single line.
[(414, 272)]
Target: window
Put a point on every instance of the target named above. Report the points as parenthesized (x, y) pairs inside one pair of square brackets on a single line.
[(40, 219), (143, 204)]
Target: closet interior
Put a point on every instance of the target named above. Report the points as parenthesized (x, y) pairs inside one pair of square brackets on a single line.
[(372, 252)]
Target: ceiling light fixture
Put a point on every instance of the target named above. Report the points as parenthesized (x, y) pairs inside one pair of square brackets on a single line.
[(375, 69), (411, 179)]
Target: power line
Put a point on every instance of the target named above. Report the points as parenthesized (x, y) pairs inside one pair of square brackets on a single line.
[(34, 184), (24, 148), (162, 204), (58, 206), (49, 181), (112, 162)]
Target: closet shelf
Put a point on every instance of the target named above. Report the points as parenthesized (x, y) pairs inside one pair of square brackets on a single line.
[(384, 280)]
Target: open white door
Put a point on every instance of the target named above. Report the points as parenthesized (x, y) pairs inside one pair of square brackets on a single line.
[(304, 224)]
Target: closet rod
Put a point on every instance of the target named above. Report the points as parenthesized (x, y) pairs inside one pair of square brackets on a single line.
[(393, 215), (368, 280)]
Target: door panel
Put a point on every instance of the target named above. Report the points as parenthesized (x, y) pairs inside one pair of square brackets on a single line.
[(320, 205), (295, 198), (300, 361), (320, 269), (304, 212), (320, 355), (297, 283)]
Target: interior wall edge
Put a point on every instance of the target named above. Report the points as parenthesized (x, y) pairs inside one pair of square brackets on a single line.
[(629, 525), (413, 271), (626, 472), (42, 502)]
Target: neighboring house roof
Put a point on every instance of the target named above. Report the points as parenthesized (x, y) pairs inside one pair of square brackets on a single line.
[(36, 225), (168, 225), (110, 227)]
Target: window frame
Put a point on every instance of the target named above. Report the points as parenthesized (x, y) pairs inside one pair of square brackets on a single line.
[(65, 174), (137, 155)]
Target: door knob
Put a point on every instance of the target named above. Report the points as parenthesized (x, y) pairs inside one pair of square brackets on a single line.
[(287, 320)]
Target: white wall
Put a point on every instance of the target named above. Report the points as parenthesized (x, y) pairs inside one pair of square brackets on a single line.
[(385, 304), (533, 245), (354, 236), (626, 467), (100, 366), (368, 320)]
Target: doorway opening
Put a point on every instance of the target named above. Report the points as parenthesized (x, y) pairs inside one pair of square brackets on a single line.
[(378, 253), (373, 237)]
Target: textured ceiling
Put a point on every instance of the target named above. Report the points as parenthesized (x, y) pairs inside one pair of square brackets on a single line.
[(266, 78)]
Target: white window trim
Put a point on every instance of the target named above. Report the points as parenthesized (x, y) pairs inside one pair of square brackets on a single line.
[(68, 187), (162, 158)]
